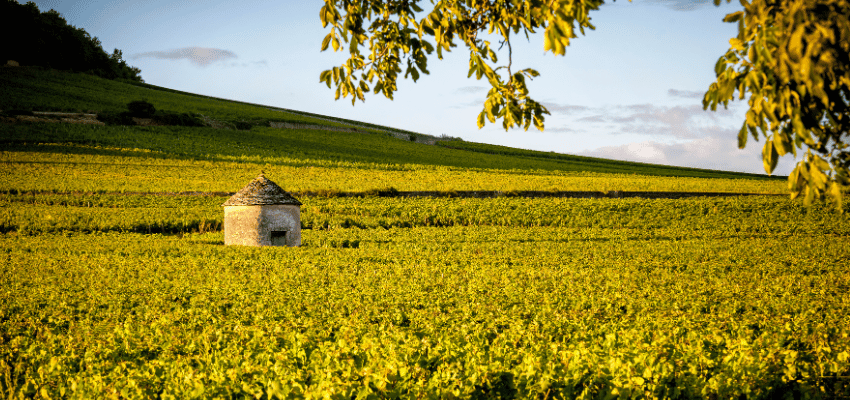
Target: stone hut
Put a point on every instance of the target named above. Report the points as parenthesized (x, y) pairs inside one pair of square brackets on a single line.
[(262, 214)]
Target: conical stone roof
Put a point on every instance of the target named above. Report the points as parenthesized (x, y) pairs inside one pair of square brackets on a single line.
[(260, 192)]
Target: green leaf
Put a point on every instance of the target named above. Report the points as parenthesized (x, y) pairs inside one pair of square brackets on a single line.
[(742, 136), (736, 44), (326, 42), (531, 72), (794, 183), (323, 16), (769, 156), (819, 179), (795, 44), (734, 17), (836, 194), (821, 164), (781, 143)]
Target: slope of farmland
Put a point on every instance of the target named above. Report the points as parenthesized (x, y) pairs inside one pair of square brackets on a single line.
[(38, 89), (47, 90), (115, 283)]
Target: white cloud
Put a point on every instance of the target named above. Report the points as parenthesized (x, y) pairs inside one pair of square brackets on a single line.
[(688, 94), (683, 122), (200, 56), (682, 5), (563, 129), (646, 151), (564, 108), (718, 151), (471, 89), (261, 63), (678, 135)]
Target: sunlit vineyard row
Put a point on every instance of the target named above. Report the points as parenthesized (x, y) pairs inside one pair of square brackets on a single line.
[(71, 168), (40, 213), (502, 312)]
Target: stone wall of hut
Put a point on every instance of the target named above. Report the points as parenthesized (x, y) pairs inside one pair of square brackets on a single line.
[(266, 225)]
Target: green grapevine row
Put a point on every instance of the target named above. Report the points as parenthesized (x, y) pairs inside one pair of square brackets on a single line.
[(503, 312)]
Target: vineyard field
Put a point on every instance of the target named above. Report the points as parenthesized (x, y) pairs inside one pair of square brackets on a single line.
[(530, 298), (695, 217), (115, 282), (74, 167), (516, 312)]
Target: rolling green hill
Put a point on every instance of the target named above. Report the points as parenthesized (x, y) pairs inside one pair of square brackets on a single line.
[(37, 89)]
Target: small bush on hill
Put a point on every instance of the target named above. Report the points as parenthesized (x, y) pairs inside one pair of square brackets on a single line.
[(144, 109), (141, 109), (179, 119), (17, 111), (123, 118), (243, 125)]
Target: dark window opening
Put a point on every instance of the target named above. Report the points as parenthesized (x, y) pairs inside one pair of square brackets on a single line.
[(278, 238)]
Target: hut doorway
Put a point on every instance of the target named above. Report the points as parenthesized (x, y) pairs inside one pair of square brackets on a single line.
[(278, 238)]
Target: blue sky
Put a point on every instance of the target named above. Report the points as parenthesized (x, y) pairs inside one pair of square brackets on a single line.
[(629, 90)]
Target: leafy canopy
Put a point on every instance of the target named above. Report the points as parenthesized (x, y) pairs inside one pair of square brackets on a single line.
[(396, 38), (791, 58)]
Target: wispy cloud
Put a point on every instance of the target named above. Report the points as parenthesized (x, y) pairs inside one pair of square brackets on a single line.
[(594, 119), (562, 129), (682, 5), (200, 56), (565, 108), (676, 121), (471, 89), (683, 122), (688, 94), (261, 63), (717, 150), (682, 135)]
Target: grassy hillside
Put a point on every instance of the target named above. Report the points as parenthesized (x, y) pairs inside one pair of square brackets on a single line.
[(39, 89), (47, 90)]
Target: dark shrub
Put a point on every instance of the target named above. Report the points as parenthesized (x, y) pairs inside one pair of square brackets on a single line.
[(179, 119), (141, 109), (123, 118), (18, 111), (385, 192), (243, 125), (328, 193)]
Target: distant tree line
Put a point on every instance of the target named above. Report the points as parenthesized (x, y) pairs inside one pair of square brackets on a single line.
[(45, 39)]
